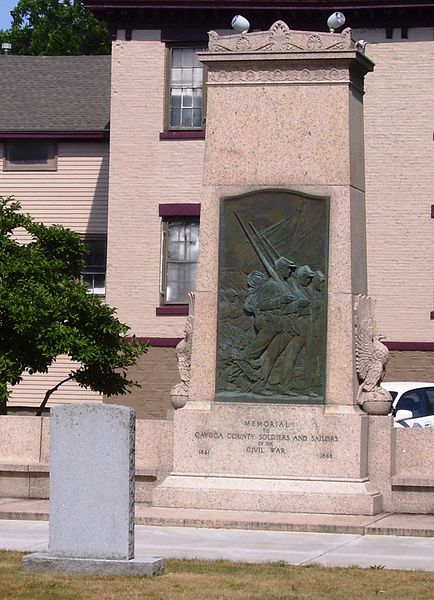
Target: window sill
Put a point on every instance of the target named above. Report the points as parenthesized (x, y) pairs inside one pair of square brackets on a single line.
[(185, 134), (172, 310)]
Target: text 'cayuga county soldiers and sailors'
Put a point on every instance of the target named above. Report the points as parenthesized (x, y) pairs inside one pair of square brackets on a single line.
[(269, 437)]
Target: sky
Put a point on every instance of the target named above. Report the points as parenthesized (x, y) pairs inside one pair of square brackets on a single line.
[(5, 8)]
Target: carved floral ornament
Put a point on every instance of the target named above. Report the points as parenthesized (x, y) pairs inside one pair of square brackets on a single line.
[(277, 75), (279, 38)]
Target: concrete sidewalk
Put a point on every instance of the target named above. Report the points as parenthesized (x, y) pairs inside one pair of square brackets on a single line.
[(381, 524), (343, 550)]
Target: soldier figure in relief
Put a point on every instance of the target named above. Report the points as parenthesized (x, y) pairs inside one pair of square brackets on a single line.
[(287, 361), (275, 306)]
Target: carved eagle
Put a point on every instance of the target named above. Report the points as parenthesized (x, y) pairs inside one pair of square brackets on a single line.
[(371, 354)]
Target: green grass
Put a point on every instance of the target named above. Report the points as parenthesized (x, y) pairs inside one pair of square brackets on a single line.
[(218, 580)]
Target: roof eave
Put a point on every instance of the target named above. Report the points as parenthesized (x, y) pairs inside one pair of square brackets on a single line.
[(90, 135)]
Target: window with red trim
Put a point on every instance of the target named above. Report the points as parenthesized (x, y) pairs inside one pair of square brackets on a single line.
[(185, 89), (180, 247)]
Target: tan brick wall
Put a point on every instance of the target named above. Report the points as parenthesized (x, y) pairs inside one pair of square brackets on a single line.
[(144, 172), (399, 174), (410, 366), (157, 372)]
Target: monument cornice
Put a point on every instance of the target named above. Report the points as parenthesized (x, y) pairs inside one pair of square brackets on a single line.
[(282, 55), (279, 38)]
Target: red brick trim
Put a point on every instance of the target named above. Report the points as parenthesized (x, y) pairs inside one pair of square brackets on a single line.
[(179, 210), (172, 310), (49, 135), (414, 346), (194, 134), (161, 342), (155, 342)]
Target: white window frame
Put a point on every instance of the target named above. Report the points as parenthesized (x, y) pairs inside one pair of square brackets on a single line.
[(165, 261), (170, 85)]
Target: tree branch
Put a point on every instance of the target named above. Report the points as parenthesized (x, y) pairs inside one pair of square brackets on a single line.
[(51, 391)]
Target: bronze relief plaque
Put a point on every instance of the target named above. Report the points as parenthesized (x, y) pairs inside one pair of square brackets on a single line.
[(271, 330)]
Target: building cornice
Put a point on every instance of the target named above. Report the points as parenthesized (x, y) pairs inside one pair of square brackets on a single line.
[(257, 4), (203, 15)]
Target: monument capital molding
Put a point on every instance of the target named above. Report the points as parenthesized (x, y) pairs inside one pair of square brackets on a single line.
[(306, 52), (279, 38)]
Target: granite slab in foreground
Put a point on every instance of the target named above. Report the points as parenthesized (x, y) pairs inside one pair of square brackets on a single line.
[(44, 563)]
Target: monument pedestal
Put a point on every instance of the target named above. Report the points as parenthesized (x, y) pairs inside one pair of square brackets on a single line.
[(334, 497), (278, 458)]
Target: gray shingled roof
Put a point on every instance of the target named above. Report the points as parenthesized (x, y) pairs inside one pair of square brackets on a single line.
[(54, 93)]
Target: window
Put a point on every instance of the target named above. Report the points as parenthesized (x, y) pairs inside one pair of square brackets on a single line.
[(93, 274), (179, 261), (430, 396), (30, 155), (185, 93), (412, 401)]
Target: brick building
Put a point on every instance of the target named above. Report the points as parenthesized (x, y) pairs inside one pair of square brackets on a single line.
[(147, 201)]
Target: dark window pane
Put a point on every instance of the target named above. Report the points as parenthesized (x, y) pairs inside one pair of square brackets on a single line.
[(187, 118), (197, 117), (187, 98), (430, 395), (175, 100), (35, 152), (187, 57), (175, 117), (183, 241), (177, 57), (181, 279), (197, 98), (411, 401), (97, 253)]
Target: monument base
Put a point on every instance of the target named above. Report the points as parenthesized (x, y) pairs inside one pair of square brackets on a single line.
[(43, 563), (276, 458), (339, 497)]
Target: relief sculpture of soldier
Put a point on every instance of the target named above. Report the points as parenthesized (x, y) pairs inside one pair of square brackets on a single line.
[(277, 308), (272, 345), (283, 372)]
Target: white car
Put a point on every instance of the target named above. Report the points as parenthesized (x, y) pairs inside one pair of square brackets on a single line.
[(413, 403)]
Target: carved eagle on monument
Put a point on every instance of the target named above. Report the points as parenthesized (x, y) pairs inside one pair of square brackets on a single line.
[(371, 359)]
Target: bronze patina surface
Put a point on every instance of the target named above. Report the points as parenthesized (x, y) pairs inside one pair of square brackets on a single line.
[(272, 298)]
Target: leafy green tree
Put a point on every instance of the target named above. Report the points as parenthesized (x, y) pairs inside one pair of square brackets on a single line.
[(55, 27), (46, 311)]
